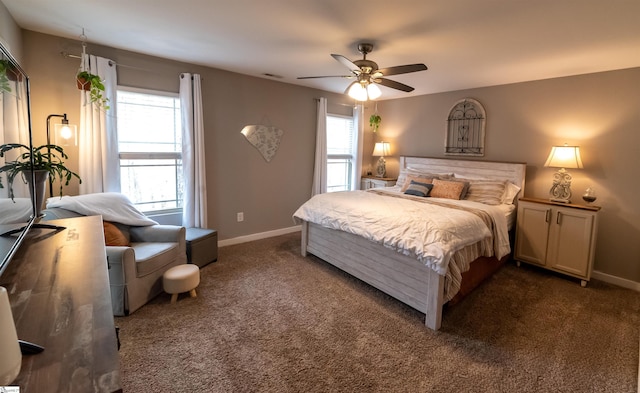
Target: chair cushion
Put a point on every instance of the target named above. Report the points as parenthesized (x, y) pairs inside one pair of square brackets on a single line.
[(151, 257)]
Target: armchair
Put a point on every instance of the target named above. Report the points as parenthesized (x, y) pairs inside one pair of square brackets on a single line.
[(135, 269)]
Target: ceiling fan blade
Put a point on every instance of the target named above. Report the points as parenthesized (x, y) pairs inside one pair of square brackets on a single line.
[(347, 63), (403, 69), (327, 76), (394, 84)]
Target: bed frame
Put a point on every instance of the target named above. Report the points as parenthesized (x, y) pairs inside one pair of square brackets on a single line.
[(400, 276)]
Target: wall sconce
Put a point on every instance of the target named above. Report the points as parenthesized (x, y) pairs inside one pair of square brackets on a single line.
[(381, 149), (65, 135), (563, 157)]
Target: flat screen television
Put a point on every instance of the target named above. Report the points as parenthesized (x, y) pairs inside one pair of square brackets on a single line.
[(17, 214)]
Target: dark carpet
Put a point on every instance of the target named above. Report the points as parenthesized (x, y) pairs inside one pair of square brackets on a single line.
[(268, 320)]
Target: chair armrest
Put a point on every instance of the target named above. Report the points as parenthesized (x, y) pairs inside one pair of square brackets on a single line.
[(122, 264), (158, 233)]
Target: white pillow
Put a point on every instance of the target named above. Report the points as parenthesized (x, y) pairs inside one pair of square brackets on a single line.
[(510, 193)]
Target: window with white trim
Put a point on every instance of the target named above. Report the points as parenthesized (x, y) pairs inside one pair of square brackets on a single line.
[(150, 149), (341, 152)]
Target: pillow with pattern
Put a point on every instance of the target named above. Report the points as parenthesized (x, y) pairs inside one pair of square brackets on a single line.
[(486, 191), (419, 189), (447, 189), (418, 179)]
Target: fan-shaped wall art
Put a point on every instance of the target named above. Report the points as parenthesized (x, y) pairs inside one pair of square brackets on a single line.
[(465, 129), (264, 138)]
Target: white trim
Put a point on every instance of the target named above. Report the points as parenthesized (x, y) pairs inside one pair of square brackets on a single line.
[(621, 282), (258, 236)]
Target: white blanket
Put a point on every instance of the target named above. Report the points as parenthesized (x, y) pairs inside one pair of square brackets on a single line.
[(112, 206), (18, 210), (429, 232)]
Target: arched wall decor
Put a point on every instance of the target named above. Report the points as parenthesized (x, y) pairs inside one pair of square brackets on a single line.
[(465, 129)]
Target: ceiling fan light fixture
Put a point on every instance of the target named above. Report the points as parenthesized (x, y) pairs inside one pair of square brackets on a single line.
[(358, 92), (373, 91)]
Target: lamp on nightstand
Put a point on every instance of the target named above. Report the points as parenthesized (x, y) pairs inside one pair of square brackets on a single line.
[(381, 149), (563, 157)]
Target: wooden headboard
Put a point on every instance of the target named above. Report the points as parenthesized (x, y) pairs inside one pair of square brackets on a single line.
[(512, 171)]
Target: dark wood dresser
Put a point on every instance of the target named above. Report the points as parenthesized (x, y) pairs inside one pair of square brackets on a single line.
[(58, 287)]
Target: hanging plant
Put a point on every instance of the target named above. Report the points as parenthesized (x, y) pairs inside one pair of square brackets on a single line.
[(93, 84), (374, 121)]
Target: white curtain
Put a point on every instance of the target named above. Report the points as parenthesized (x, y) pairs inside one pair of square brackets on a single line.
[(99, 165), (320, 165), (194, 207), (358, 122), (14, 128)]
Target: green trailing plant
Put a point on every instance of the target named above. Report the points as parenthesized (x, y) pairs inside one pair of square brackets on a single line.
[(93, 83), (374, 121), (49, 158)]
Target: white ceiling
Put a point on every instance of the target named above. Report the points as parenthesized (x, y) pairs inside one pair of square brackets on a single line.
[(465, 43)]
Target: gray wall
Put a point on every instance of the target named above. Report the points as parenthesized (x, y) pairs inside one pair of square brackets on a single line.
[(596, 111), (10, 33)]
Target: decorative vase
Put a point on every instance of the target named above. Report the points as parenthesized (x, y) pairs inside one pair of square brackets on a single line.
[(41, 177), (83, 84)]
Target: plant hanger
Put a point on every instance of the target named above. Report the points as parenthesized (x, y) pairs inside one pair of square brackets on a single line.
[(92, 83)]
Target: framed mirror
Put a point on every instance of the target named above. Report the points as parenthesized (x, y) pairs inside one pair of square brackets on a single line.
[(17, 213)]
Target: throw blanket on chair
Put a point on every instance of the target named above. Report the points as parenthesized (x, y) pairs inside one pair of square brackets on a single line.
[(112, 206)]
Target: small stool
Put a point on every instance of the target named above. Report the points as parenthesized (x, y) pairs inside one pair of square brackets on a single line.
[(181, 278)]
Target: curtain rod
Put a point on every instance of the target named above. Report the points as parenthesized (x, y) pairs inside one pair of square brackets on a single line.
[(111, 62), (341, 104)]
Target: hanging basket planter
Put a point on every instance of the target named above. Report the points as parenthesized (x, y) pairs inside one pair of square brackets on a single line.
[(93, 84), (83, 84)]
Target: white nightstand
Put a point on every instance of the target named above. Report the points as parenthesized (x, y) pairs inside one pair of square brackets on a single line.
[(557, 236), (377, 182)]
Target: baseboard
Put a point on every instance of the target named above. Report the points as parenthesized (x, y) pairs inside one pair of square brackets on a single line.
[(621, 282), (258, 236)]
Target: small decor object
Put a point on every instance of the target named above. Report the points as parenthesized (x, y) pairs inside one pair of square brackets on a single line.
[(589, 195), (93, 84), (562, 157), (465, 129), (48, 161), (374, 122), (381, 149), (11, 359), (264, 138)]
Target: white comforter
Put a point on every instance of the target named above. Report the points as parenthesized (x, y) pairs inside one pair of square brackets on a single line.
[(410, 225)]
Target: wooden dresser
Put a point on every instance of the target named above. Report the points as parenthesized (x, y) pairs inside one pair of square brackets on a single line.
[(59, 292)]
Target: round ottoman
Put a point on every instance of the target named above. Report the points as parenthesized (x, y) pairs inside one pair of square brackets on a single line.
[(181, 278)]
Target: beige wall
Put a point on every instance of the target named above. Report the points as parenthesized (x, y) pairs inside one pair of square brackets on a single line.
[(597, 112), (238, 178), (10, 33)]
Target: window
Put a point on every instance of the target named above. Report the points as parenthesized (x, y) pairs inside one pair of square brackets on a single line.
[(150, 149), (341, 153)]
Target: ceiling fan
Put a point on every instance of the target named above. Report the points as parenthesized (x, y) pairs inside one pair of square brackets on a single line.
[(368, 75)]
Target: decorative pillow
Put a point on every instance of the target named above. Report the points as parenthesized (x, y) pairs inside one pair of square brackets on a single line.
[(415, 172), (418, 179), (465, 189), (115, 235), (486, 191), (510, 193), (419, 189), (447, 189)]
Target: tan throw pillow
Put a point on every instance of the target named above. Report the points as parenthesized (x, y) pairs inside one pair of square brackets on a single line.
[(418, 179), (114, 236), (486, 191), (446, 189)]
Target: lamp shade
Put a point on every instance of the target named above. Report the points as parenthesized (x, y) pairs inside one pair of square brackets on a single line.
[(381, 149), (358, 92), (65, 134), (11, 357), (564, 157)]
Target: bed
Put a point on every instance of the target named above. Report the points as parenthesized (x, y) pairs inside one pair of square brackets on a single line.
[(373, 241)]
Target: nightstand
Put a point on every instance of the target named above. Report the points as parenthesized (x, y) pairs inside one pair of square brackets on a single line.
[(377, 182), (557, 236)]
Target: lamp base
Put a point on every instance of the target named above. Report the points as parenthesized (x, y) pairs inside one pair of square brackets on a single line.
[(561, 189), (381, 169)]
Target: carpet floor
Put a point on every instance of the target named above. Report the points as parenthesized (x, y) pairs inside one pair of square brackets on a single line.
[(268, 320)]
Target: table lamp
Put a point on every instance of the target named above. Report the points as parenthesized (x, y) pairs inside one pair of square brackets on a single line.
[(563, 157)]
